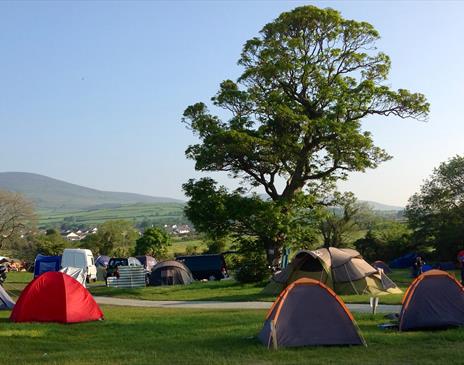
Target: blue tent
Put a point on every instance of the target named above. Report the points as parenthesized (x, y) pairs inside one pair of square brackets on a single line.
[(403, 262), (446, 266), (102, 261), (44, 263)]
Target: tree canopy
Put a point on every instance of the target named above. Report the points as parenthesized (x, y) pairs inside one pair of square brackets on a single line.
[(52, 243), (17, 216), (339, 221), (115, 237), (294, 115), (436, 213), (154, 242)]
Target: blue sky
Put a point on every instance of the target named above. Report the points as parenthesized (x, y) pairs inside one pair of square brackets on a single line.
[(93, 92)]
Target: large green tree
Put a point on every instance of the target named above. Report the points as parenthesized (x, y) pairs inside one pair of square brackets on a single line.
[(294, 115), (386, 241), (436, 213), (52, 243), (154, 242), (17, 216), (339, 222), (115, 237)]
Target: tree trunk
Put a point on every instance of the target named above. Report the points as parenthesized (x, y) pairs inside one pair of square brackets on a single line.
[(274, 250)]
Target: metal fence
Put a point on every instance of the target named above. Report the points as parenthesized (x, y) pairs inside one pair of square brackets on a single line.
[(129, 277)]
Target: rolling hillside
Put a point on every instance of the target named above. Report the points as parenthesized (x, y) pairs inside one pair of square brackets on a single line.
[(155, 213), (54, 195), (58, 202), (382, 207)]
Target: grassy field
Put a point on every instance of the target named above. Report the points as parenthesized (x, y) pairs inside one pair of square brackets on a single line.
[(161, 213), (230, 290), (170, 336), (224, 290), (16, 281), (179, 246)]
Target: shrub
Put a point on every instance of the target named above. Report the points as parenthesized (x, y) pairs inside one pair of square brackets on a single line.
[(191, 250), (252, 267)]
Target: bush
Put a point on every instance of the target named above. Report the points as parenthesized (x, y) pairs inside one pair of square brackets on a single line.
[(386, 242), (154, 242), (215, 246), (191, 250), (252, 268)]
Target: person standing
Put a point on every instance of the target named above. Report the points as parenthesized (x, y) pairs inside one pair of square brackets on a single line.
[(460, 258), (418, 266)]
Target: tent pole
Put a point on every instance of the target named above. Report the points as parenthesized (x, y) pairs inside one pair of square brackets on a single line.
[(351, 282), (273, 335)]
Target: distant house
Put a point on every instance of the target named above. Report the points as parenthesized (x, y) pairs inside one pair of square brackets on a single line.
[(89, 231), (73, 237), (79, 234), (183, 229)]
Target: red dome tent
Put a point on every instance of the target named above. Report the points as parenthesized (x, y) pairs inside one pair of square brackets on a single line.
[(55, 297)]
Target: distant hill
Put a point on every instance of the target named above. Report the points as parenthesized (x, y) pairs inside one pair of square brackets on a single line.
[(381, 207), (373, 205), (56, 195), (155, 213)]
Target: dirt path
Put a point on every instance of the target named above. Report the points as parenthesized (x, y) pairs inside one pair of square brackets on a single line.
[(359, 308)]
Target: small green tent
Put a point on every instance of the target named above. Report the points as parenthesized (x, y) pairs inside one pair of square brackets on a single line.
[(341, 269)]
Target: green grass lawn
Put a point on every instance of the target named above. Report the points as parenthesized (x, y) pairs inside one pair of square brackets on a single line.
[(224, 290), (230, 290), (16, 281), (187, 336), (179, 246)]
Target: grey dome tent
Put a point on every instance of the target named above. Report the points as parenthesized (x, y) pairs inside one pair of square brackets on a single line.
[(5, 300), (434, 300), (308, 313), (170, 273)]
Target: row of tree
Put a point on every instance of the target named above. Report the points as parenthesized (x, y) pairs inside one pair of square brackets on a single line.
[(21, 238)]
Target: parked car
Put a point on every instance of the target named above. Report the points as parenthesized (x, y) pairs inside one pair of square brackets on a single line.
[(115, 262), (211, 267), (82, 259)]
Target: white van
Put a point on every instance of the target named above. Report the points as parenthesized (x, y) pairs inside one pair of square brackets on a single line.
[(80, 258)]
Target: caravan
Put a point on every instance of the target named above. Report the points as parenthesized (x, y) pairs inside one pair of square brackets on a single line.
[(82, 259)]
